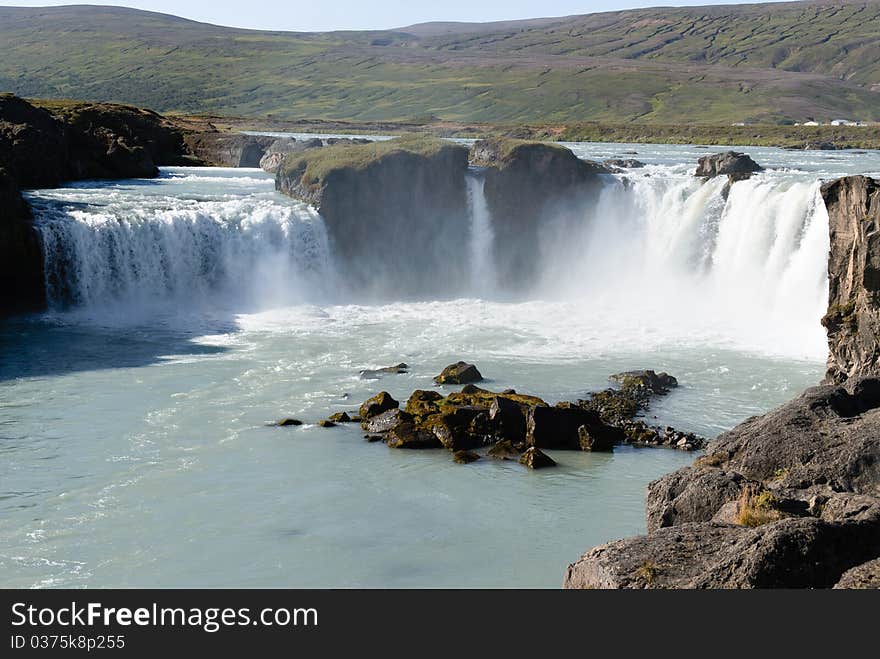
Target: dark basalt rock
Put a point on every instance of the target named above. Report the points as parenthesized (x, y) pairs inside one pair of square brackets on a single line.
[(560, 427), (459, 373), (853, 318), (340, 417), (375, 374), (591, 441), (326, 423), (383, 422), (864, 576), (534, 458), (405, 197), (288, 422), (407, 434), (624, 163), (790, 553), (465, 457), (727, 163), (381, 402), (650, 381), (526, 184), (505, 450), (228, 149)]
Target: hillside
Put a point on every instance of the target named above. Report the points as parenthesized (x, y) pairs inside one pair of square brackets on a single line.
[(757, 63)]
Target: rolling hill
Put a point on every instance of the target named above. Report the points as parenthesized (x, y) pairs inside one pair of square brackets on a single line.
[(766, 63)]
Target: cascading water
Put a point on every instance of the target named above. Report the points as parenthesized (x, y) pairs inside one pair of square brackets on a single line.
[(671, 254), (665, 253), (483, 277), (128, 246)]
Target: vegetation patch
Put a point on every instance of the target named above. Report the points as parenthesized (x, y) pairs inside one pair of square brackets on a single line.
[(756, 508)]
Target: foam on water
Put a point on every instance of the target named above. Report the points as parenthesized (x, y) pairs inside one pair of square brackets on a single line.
[(132, 425)]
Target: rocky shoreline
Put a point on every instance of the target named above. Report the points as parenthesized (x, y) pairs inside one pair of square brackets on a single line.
[(789, 499)]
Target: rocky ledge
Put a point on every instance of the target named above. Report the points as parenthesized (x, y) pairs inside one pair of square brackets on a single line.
[(790, 498)]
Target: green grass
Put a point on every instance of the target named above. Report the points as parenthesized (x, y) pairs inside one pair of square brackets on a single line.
[(718, 65), (315, 164)]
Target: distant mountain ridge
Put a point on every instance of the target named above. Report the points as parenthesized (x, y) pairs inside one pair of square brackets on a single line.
[(779, 62)]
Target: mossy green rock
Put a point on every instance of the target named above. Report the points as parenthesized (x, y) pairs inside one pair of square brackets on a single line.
[(381, 402)]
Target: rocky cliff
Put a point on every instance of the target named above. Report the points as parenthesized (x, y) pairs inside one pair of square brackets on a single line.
[(790, 498), (43, 144), (853, 318), (527, 184), (396, 211)]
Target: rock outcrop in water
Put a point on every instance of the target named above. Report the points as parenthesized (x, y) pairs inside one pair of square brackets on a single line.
[(853, 318), (223, 149), (396, 211), (46, 144), (527, 184), (790, 498), (513, 425), (729, 163)]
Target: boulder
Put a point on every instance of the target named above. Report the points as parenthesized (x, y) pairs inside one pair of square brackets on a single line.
[(650, 381), (326, 423), (340, 417), (504, 450), (461, 428), (465, 457), (376, 373), (423, 403), (789, 553), (223, 149), (406, 434), (288, 422), (591, 441), (381, 402), (864, 576), (560, 427), (853, 317), (534, 458), (509, 420), (623, 163), (727, 163), (383, 422), (459, 373), (692, 494)]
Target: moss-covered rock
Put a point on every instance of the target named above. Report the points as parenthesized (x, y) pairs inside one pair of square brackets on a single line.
[(404, 197), (381, 402), (534, 458), (465, 457), (459, 373)]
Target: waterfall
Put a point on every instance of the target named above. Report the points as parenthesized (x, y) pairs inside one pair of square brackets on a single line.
[(672, 251), (659, 252), (241, 252), (483, 277)]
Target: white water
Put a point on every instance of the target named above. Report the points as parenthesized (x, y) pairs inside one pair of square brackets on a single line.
[(483, 277), (132, 425)]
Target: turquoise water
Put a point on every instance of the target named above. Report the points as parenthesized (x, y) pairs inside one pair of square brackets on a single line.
[(135, 450)]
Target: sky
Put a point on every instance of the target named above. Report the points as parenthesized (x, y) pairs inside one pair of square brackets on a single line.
[(319, 15)]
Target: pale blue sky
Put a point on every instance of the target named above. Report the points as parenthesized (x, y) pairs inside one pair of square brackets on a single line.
[(361, 14)]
